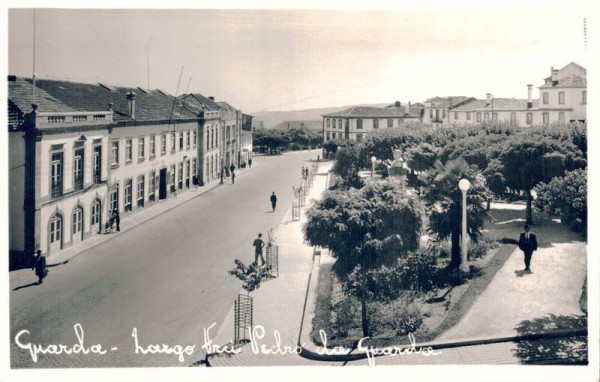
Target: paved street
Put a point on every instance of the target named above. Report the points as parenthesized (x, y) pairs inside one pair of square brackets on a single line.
[(167, 277)]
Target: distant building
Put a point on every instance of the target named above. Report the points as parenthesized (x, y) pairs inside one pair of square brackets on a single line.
[(562, 98), (357, 122), (247, 122), (437, 109), (231, 119), (299, 125)]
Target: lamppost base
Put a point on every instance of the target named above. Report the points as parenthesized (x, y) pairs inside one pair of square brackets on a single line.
[(465, 268)]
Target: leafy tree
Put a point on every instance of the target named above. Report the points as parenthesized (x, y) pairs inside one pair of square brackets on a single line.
[(443, 199), (364, 229), (421, 157), (249, 275), (272, 140), (529, 160), (566, 198), (348, 161)]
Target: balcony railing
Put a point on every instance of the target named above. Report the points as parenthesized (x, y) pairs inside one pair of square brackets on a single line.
[(78, 183), (56, 189), (97, 177)]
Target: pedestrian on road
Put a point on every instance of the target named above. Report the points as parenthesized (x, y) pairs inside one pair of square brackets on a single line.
[(258, 247), (117, 219), (222, 175), (303, 172), (318, 158), (233, 178), (39, 264), (231, 168), (527, 244), (250, 163), (273, 201)]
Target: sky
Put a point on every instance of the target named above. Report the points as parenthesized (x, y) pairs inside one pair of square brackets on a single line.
[(266, 60)]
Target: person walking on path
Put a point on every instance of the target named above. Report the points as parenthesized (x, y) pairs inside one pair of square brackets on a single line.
[(231, 168), (258, 249), (527, 244), (117, 219), (39, 264), (249, 163), (222, 175), (233, 178), (273, 201)]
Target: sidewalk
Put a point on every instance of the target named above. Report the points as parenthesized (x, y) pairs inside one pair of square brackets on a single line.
[(128, 222), (279, 303)]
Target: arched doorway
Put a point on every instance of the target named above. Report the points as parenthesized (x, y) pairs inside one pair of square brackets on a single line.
[(77, 225), (96, 217), (55, 233)]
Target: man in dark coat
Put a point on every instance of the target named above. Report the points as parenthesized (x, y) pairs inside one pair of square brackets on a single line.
[(250, 163), (40, 266), (527, 244), (232, 177), (232, 168), (258, 249), (117, 219), (273, 201)]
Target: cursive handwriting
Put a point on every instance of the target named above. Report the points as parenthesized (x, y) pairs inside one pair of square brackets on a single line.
[(338, 350), (210, 348), (79, 348), (395, 350), (258, 333), (162, 349)]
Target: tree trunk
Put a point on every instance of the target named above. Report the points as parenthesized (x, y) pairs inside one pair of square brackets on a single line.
[(363, 303), (528, 212)]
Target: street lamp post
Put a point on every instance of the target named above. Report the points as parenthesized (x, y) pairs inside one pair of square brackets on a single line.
[(464, 186), (373, 160)]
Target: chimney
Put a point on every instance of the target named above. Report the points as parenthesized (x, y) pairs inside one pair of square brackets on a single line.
[(529, 97), (110, 106), (211, 98), (34, 108), (131, 104), (489, 98), (397, 104), (554, 75)]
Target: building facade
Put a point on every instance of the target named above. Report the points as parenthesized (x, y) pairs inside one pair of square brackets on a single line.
[(357, 122)]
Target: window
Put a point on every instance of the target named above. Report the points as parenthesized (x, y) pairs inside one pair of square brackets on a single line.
[(561, 98), (486, 116), (455, 115), (359, 137), (151, 185), (141, 148), (56, 175), (334, 123), (77, 221), (545, 98), (333, 135), (478, 117), (56, 229), (328, 122), (494, 116), (180, 140), (390, 122), (128, 197), (207, 139), (340, 124), (328, 136), (187, 139), (140, 190), (114, 160), (443, 113), (128, 150), (584, 97), (152, 146), (97, 164), (561, 117), (513, 119), (468, 116), (95, 212), (163, 144), (78, 169), (114, 198), (529, 119), (375, 123), (172, 142), (172, 178), (546, 117), (187, 174), (194, 167), (431, 113), (359, 123), (194, 138)]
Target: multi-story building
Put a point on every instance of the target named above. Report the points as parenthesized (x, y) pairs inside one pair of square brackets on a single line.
[(84, 150), (562, 98), (436, 109), (357, 122), (231, 119)]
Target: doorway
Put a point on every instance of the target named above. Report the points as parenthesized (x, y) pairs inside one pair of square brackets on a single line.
[(162, 184)]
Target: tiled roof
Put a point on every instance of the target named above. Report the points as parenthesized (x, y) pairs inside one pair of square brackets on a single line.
[(572, 81), (197, 102), (372, 112), (497, 104), (20, 93), (225, 105), (446, 101), (149, 106)]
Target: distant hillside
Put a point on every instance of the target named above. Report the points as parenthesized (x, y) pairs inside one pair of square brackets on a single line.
[(310, 125), (272, 118)]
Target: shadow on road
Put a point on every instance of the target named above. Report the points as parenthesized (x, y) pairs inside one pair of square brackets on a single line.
[(554, 350), (26, 286)]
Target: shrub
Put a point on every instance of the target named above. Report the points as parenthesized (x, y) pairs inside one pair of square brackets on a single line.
[(346, 316), (480, 249), (398, 317)]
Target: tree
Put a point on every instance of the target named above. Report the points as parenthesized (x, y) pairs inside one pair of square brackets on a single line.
[(250, 275), (365, 228), (443, 199), (529, 160), (566, 198)]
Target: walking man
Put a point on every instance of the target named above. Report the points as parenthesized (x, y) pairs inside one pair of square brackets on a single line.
[(527, 244), (273, 201), (39, 264), (232, 177), (250, 163), (258, 247), (231, 168), (222, 175)]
